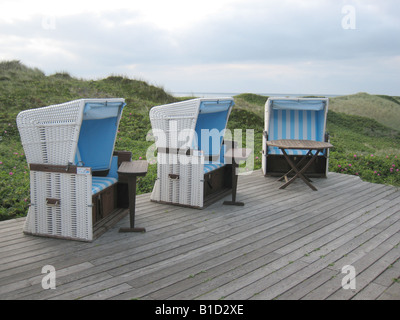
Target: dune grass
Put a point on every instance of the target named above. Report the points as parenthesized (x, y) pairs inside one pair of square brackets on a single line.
[(384, 109)]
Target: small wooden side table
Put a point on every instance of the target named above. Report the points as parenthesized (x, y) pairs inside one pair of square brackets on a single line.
[(309, 145), (237, 155), (131, 170)]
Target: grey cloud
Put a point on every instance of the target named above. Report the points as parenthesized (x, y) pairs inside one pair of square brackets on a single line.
[(293, 34), (252, 32), (111, 39)]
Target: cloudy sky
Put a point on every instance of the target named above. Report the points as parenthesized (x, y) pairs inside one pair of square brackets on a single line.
[(227, 46)]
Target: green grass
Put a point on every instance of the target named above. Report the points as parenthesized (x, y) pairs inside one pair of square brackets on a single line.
[(355, 138), (14, 177), (355, 134), (384, 109), (365, 148), (251, 102)]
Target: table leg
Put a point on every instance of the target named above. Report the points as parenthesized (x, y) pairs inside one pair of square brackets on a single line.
[(132, 205), (299, 173), (285, 176), (234, 186)]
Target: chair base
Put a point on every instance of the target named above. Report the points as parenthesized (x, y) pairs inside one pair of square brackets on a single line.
[(217, 184), (109, 207), (277, 166), (99, 228), (217, 181), (208, 201), (190, 187), (132, 230), (233, 203)]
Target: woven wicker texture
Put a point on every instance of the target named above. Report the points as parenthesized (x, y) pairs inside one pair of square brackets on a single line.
[(180, 177), (72, 217), (49, 135), (61, 203)]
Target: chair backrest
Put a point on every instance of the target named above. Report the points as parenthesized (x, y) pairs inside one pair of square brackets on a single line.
[(295, 118), (211, 125), (98, 133), (80, 132)]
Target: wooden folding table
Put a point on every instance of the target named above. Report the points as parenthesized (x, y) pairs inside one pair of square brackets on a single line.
[(310, 145)]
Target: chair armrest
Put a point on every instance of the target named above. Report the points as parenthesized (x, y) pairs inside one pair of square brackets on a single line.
[(73, 169), (230, 144), (123, 156)]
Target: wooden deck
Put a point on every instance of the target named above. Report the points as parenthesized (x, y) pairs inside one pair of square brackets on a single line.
[(283, 244)]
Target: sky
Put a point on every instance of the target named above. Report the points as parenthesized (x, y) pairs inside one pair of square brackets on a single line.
[(333, 47)]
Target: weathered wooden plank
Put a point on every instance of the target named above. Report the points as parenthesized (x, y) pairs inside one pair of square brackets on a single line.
[(206, 279), (119, 279), (392, 293), (391, 274), (71, 290), (11, 223), (330, 263), (371, 292), (251, 282), (142, 264), (36, 280), (109, 292), (296, 292), (289, 280), (360, 260), (370, 266), (76, 258), (195, 290)]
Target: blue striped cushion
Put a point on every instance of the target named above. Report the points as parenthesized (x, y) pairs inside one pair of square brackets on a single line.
[(100, 183), (295, 124), (212, 166)]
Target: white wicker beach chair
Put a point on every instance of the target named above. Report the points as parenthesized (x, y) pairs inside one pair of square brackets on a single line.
[(73, 168), (191, 167), (294, 118)]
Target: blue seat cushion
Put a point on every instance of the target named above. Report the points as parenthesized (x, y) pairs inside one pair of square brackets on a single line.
[(100, 183), (212, 166)]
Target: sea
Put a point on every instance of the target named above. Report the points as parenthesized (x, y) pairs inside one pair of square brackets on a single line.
[(232, 94)]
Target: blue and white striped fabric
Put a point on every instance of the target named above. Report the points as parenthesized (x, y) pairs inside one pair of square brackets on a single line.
[(295, 124), (212, 166), (100, 183)]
